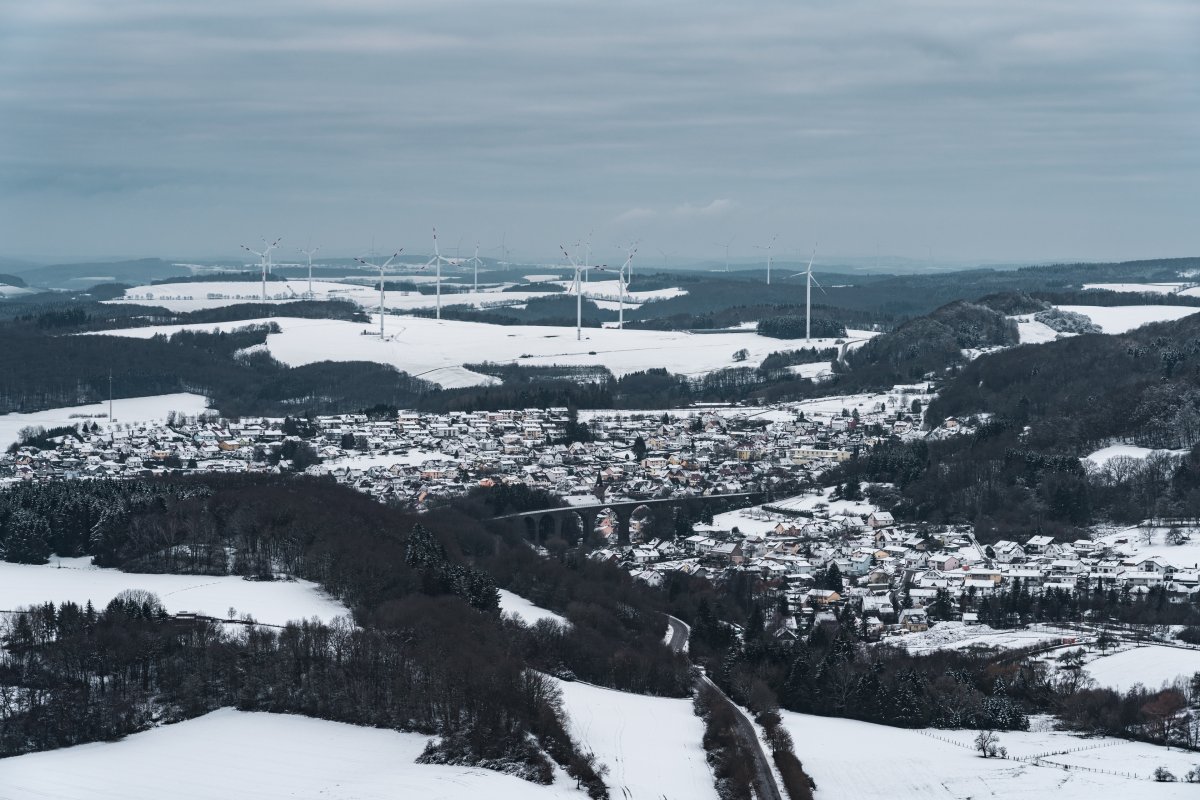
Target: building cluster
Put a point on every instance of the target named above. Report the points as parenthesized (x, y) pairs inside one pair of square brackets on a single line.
[(414, 457), (819, 554)]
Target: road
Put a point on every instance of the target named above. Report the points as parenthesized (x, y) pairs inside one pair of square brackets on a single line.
[(765, 785)]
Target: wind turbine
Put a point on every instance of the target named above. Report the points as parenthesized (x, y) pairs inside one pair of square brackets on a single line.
[(768, 249), (476, 262), (436, 261), (587, 253), (623, 277), (809, 281), (502, 248), (263, 256), (310, 254), (726, 246), (577, 288), (381, 268)]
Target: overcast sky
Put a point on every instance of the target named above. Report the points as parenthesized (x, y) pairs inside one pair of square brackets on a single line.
[(975, 131)]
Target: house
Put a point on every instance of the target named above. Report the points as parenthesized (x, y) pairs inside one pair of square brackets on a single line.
[(914, 620), (1038, 544), (1008, 552), (822, 597), (881, 519)]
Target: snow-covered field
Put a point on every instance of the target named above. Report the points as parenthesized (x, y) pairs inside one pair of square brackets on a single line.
[(756, 520), (817, 371), (957, 636), (1151, 666), (1029, 331), (1106, 454), (125, 410), (651, 745), (414, 457), (849, 759), (436, 351), (232, 753), (1155, 288), (75, 579), (1133, 543), (1119, 319), (528, 613), (215, 294)]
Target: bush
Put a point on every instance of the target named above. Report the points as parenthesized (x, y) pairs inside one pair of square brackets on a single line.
[(1190, 634), (1066, 321)]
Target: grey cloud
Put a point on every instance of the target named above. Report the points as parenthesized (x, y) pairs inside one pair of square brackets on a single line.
[(543, 119)]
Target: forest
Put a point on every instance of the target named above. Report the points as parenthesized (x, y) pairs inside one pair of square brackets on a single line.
[(429, 579)]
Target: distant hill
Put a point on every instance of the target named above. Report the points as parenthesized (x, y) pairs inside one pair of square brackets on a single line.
[(83, 275), (11, 280)]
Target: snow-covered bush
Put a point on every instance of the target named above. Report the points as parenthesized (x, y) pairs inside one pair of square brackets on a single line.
[(1066, 321)]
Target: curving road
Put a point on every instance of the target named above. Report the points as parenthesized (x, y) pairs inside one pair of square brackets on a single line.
[(765, 785)]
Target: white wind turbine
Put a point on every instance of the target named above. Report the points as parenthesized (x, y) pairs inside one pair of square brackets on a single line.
[(624, 275), (768, 249), (502, 248), (382, 286), (577, 287), (586, 244), (476, 262), (436, 262), (264, 255), (310, 254), (809, 281)]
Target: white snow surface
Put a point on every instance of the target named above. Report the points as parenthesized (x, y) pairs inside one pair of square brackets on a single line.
[(754, 519), (126, 410), (1156, 288), (436, 351), (651, 745), (1029, 331), (231, 753), (1135, 545), (414, 457), (1151, 666), (957, 636), (77, 580), (526, 611), (851, 759), (817, 371), (1120, 319), (1106, 454), (216, 294)]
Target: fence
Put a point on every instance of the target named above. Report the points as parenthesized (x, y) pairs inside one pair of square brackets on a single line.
[(1041, 760)]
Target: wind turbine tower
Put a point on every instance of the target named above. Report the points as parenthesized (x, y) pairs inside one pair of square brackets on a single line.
[(436, 261), (810, 281), (768, 249), (310, 254), (808, 297), (381, 268), (264, 256), (623, 277), (476, 262), (577, 288)]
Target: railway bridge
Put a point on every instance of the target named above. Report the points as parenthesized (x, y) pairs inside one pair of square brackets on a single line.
[(572, 523)]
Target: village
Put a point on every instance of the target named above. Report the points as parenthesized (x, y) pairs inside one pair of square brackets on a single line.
[(812, 552)]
